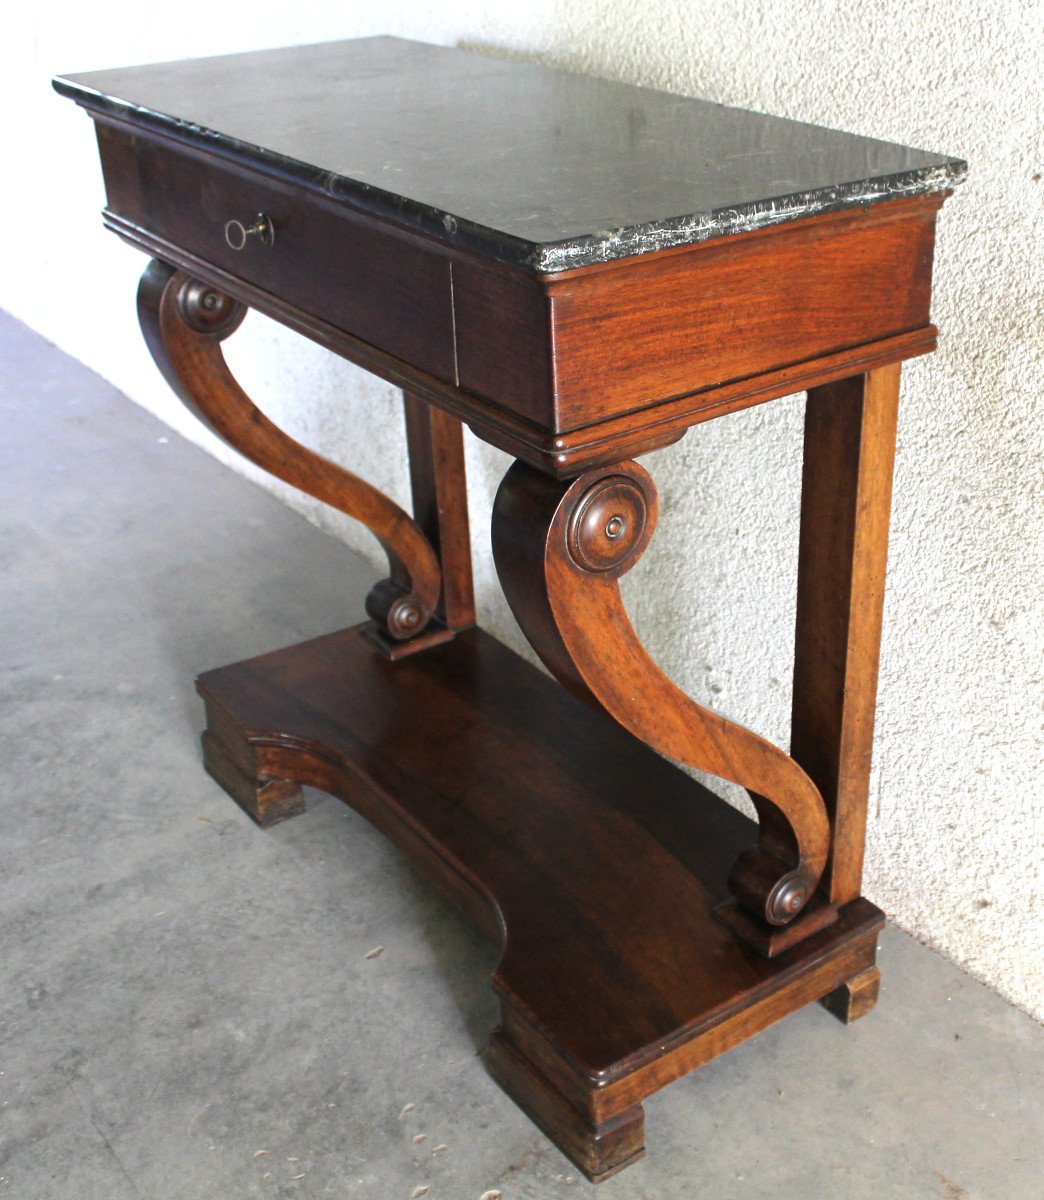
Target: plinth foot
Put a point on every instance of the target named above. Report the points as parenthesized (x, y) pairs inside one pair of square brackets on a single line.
[(592, 861), (267, 801), (854, 998), (598, 1150)]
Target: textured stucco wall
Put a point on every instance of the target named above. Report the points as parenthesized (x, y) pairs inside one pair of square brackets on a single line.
[(956, 809)]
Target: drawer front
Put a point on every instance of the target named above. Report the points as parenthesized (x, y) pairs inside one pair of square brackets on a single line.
[(340, 267)]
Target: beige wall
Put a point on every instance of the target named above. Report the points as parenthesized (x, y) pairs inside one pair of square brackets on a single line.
[(956, 825)]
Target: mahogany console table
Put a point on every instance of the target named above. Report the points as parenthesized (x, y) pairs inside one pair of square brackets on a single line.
[(580, 271)]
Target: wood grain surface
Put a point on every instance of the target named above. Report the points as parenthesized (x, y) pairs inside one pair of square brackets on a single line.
[(592, 861)]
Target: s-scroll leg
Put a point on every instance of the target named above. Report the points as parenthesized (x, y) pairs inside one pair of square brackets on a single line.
[(184, 322), (560, 549)]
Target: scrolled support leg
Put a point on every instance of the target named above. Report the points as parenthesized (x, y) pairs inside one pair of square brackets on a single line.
[(560, 549), (184, 322)]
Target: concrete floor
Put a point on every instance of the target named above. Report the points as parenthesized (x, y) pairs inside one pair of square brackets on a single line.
[(187, 1009)]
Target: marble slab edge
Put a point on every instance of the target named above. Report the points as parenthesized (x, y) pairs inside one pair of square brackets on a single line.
[(542, 258)]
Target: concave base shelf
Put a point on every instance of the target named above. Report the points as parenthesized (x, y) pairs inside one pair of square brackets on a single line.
[(591, 860)]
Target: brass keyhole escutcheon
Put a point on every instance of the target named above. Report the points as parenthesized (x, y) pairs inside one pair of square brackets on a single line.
[(236, 233)]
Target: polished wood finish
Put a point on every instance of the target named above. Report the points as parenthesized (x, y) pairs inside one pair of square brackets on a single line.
[(503, 334), (566, 371), (646, 926), (364, 279), (593, 862), (267, 801), (435, 444), (184, 323), (619, 337), (846, 498), (600, 1148), (560, 550), (855, 997), (562, 455)]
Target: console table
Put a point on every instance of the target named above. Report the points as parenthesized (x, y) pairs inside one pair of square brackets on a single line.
[(579, 271)]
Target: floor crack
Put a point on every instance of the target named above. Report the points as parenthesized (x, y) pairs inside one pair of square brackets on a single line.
[(108, 1145)]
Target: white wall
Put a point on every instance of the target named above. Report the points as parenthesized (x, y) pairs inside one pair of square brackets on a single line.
[(956, 825)]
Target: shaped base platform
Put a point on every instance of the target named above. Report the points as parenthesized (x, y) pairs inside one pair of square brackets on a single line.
[(592, 861)]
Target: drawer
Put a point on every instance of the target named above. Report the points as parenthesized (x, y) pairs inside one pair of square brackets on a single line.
[(351, 272)]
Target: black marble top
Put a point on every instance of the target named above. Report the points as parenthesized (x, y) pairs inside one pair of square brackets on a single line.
[(533, 166)]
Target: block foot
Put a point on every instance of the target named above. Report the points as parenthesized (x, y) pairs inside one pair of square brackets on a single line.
[(854, 998), (598, 1150), (267, 801)]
